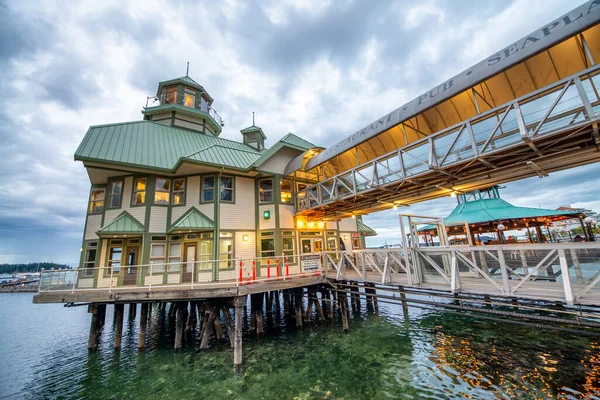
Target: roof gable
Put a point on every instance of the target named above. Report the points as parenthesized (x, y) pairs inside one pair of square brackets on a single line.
[(193, 219), (365, 229), (290, 141), (124, 224)]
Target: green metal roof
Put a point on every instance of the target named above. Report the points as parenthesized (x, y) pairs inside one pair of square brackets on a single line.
[(365, 229), (124, 224), (488, 210), (192, 220), (294, 140), (151, 145), (291, 141)]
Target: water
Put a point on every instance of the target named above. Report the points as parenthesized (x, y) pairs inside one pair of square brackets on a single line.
[(43, 355)]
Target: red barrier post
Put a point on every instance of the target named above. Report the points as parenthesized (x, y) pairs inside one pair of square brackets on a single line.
[(253, 270), (268, 269)]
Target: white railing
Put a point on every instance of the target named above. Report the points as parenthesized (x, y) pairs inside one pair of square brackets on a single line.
[(567, 104), (184, 275), (567, 272), (198, 104)]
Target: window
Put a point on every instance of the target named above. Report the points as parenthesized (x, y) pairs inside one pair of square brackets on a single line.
[(163, 191), (139, 191), (267, 247), (205, 254), (179, 191), (286, 191), (226, 250), (157, 257), (89, 260), (174, 257), (170, 95), (301, 195), (288, 244), (208, 188), (227, 188), (265, 191), (189, 100), (114, 259), (97, 201), (116, 188)]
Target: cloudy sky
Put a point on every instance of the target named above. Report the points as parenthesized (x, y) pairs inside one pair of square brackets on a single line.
[(321, 69)]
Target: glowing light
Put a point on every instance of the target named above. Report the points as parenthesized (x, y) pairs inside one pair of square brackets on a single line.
[(245, 238), (453, 194)]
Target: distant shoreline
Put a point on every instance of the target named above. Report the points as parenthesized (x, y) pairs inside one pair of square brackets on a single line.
[(19, 289)]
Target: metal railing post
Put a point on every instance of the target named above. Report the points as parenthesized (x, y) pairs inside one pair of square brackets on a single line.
[(111, 279), (566, 278), (454, 273), (150, 283), (504, 271), (193, 272), (75, 279)]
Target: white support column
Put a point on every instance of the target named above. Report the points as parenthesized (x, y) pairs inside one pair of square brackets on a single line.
[(455, 274), (577, 266), (504, 271), (566, 278)]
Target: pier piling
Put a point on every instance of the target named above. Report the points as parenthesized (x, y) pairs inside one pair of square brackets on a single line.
[(143, 325), (119, 309), (237, 340), (94, 327), (132, 310), (178, 326), (298, 301)]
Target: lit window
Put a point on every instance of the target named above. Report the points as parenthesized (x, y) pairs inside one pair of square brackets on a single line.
[(179, 191), (162, 192), (157, 257), (189, 100), (97, 201), (227, 188), (265, 191), (116, 190), (139, 191), (174, 257), (286, 191), (208, 188), (288, 244)]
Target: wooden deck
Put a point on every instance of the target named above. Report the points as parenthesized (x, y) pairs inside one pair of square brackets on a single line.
[(172, 293)]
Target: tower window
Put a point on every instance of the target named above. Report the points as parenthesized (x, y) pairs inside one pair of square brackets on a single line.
[(163, 190), (97, 201), (189, 100), (139, 191), (179, 191), (208, 188), (286, 191), (227, 188), (170, 95)]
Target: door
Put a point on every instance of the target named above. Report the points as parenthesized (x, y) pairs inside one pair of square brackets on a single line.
[(189, 258), (131, 267), (311, 245), (317, 245)]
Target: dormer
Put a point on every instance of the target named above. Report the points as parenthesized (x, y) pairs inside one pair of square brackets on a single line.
[(183, 103), (254, 137)]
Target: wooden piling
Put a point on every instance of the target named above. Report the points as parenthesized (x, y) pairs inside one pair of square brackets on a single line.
[(309, 306), (298, 301), (404, 302), (101, 314), (286, 302), (178, 326), (259, 315), (343, 305), (237, 340), (207, 327), (269, 296), (191, 318), (94, 327), (132, 310), (229, 325), (143, 325), (320, 315), (119, 308)]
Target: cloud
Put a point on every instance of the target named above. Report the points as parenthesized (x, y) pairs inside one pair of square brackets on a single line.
[(320, 69)]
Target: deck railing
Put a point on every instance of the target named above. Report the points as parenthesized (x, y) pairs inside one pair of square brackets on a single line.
[(567, 272), (183, 275)]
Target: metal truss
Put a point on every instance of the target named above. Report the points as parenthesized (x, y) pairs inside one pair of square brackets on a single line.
[(553, 128)]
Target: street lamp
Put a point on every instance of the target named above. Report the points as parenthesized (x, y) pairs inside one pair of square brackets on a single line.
[(589, 221), (500, 229)]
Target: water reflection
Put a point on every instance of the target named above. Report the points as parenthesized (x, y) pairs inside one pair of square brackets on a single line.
[(430, 354)]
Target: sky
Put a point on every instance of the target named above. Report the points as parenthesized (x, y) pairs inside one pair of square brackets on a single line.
[(320, 69)]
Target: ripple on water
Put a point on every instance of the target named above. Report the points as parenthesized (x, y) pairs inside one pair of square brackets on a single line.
[(429, 355)]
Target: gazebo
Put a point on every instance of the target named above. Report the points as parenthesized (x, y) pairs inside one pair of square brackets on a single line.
[(485, 212)]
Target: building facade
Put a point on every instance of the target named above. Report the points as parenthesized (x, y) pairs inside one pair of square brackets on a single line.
[(167, 191)]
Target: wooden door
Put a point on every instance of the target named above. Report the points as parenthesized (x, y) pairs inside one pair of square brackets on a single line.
[(189, 258), (130, 277), (317, 245)]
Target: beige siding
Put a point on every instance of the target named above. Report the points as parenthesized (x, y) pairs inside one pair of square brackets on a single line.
[(278, 161), (189, 125), (94, 223), (156, 280), (208, 210), (227, 275), (173, 278), (348, 225), (245, 249), (241, 214), (266, 223), (161, 116), (332, 226), (158, 219), (138, 213), (204, 277), (164, 122), (286, 217), (85, 283)]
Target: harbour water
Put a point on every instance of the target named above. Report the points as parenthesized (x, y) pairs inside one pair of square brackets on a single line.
[(430, 354)]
